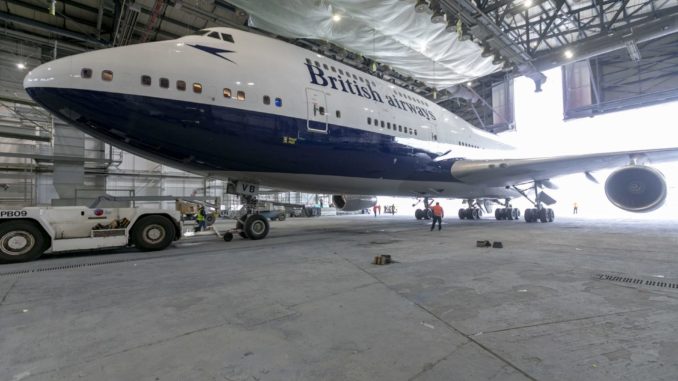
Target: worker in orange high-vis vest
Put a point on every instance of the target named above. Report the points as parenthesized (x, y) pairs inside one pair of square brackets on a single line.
[(438, 215)]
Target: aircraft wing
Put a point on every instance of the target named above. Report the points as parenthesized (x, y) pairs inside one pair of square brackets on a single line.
[(506, 172)]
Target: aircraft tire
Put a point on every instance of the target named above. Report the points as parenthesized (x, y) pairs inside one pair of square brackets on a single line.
[(517, 213), (475, 214), (543, 215), (497, 214), (428, 214), (514, 213), (256, 227), (528, 215), (551, 215), (21, 241), (419, 214), (228, 236)]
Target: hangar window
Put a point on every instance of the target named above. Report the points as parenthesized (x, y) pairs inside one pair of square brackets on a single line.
[(240, 95), (369, 120), (181, 85), (227, 37), (326, 67), (86, 73), (267, 100), (227, 93), (107, 75), (214, 35), (278, 102), (146, 80), (197, 88), (164, 83), (338, 113), (334, 69)]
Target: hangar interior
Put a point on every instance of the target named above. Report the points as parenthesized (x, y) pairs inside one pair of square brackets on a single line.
[(615, 55)]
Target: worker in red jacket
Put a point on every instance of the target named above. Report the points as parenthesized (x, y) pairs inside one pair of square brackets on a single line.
[(438, 215)]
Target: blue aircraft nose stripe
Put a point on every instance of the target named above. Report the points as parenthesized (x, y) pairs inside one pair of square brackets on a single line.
[(213, 51)]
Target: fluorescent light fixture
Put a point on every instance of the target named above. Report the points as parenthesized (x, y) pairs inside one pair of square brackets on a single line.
[(527, 3), (568, 54), (336, 17), (250, 83), (21, 66)]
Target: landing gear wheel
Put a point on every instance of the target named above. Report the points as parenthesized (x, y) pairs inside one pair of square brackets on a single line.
[(543, 215), (428, 214), (528, 216), (462, 214), (476, 213), (515, 214), (228, 236), (498, 214), (256, 227), (550, 214), (153, 233), (419, 214), (20, 241)]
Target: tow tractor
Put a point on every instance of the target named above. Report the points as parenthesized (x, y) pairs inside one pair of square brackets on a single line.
[(25, 234)]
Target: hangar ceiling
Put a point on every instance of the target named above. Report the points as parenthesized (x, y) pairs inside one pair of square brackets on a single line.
[(521, 37)]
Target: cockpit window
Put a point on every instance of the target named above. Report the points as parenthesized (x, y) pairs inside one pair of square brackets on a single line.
[(227, 37), (214, 35)]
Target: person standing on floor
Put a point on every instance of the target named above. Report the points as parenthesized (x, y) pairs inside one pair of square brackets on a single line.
[(374, 209), (575, 210), (438, 214)]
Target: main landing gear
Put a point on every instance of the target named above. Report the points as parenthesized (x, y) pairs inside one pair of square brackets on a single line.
[(426, 213), (539, 212), (507, 213), (473, 212)]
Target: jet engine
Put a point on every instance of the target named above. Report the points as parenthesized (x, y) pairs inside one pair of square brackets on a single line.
[(353, 202), (636, 189)]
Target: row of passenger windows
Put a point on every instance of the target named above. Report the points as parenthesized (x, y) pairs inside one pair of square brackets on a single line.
[(361, 79), (389, 126), (340, 71), (146, 80), (467, 145)]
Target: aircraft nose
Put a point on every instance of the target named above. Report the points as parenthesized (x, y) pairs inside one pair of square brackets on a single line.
[(51, 74)]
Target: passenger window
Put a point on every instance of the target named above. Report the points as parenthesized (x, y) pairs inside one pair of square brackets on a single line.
[(86, 73), (214, 35), (240, 95), (308, 61), (326, 67), (321, 110), (267, 100), (227, 93), (415, 132), (376, 122), (435, 137), (164, 83), (227, 37), (197, 88), (181, 85), (338, 114), (107, 75), (333, 69), (410, 131), (146, 80), (355, 77), (400, 128), (382, 124), (317, 64), (388, 125), (341, 72), (361, 79), (369, 120), (278, 102)]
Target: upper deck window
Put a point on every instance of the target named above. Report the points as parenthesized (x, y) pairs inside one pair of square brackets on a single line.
[(197, 88), (107, 75), (227, 37), (86, 73), (164, 83), (146, 80), (181, 85)]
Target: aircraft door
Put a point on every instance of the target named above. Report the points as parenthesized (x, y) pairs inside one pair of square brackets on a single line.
[(316, 106)]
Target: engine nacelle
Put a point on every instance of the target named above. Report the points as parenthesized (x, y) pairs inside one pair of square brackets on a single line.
[(636, 188), (353, 202)]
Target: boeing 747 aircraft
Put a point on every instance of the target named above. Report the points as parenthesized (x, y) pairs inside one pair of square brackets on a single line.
[(254, 110)]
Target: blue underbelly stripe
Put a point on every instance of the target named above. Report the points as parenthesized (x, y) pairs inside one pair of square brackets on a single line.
[(201, 137)]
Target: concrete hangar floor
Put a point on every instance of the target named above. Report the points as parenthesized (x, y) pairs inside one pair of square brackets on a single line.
[(573, 300)]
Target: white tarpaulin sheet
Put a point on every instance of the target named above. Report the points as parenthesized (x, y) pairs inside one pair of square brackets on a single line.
[(388, 31)]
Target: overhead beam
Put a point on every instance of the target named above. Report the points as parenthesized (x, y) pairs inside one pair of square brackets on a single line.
[(50, 29)]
